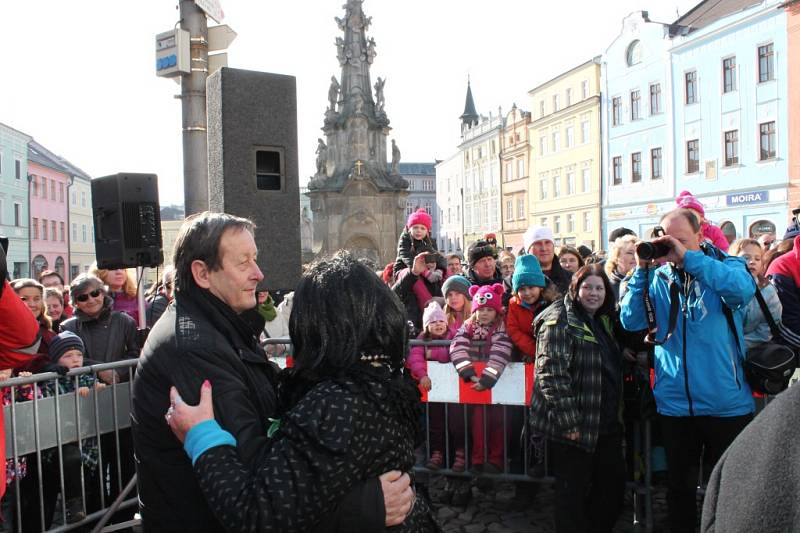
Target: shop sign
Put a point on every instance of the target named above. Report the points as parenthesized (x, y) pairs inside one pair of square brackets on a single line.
[(747, 198)]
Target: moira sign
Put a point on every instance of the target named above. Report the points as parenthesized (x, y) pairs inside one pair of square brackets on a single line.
[(747, 198)]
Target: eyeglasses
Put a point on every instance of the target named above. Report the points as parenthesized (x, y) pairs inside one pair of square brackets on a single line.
[(83, 297)]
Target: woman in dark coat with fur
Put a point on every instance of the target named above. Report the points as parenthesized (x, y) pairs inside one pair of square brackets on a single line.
[(349, 413)]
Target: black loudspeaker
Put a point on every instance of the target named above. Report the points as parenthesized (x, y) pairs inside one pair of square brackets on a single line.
[(127, 221), (252, 164)]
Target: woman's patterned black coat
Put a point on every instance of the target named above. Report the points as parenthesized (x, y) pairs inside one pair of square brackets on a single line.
[(340, 433)]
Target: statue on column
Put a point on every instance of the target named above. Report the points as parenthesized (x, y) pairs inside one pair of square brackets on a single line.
[(379, 98), (371, 50), (322, 157), (395, 157), (333, 93)]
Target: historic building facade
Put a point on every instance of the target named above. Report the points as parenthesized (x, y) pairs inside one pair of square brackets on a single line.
[(81, 223), (514, 177), (449, 198), (565, 162), (700, 105), (49, 212), (421, 178), (14, 199), (730, 99), (480, 159), (638, 173)]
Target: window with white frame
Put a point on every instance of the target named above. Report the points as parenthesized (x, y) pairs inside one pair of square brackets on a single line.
[(655, 98), (767, 141), (585, 132), (729, 74), (17, 214), (616, 170), (556, 141), (586, 176), (616, 111), (766, 63), (83, 232), (18, 168), (570, 182), (635, 101), (509, 210), (556, 105), (556, 186), (557, 224), (521, 167), (570, 223), (509, 171), (570, 133), (542, 145), (587, 221), (521, 207), (543, 188), (74, 232), (541, 108), (636, 167), (656, 163), (585, 89), (568, 98), (543, 221)]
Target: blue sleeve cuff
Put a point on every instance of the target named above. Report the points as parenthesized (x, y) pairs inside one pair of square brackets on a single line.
[(204, 436)]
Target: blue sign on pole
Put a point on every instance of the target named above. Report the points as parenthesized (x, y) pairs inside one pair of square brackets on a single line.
[(747, 198)]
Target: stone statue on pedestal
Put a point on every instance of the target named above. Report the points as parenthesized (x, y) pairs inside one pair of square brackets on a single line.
[(333, 93), (322, 156), (395, 157), (379, 99)]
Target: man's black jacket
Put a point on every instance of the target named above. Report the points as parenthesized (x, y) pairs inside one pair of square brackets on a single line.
[(197, 339)]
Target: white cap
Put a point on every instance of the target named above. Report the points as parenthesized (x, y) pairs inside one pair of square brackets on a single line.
[(537, 233)]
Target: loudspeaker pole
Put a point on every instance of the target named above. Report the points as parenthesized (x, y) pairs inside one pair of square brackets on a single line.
[(193, 98)]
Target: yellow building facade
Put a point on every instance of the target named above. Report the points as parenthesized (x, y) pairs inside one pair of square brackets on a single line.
[(515, 178), (565, 165)]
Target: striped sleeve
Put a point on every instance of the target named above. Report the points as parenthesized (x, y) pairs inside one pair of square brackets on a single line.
[(459, 355), (499, 357)]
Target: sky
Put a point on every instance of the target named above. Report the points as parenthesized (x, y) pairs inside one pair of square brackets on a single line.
[(80, 76)]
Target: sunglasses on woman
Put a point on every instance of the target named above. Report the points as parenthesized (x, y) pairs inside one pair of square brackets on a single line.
[(83, 297)]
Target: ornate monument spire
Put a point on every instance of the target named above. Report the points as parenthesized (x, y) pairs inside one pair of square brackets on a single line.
[(356, 126), (357, 196)]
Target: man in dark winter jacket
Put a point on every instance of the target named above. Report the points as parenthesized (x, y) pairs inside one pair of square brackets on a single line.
[(755, 484), (539, 241), (211, 332)]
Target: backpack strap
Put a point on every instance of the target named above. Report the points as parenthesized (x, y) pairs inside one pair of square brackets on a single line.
[(773, 327)]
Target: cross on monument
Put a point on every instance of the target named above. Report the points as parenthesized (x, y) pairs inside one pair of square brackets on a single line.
[(359, 164)]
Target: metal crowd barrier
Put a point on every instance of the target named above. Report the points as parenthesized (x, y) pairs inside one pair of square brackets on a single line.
[(38, 430), (51, 432)]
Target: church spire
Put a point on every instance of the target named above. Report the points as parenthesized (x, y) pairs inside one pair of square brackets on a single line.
[(470, 116)]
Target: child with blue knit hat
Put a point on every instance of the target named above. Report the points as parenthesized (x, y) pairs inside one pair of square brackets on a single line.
[(67, 350), (532, 293)]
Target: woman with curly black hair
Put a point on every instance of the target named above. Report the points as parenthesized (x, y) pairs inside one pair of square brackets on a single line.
[(348, 412)]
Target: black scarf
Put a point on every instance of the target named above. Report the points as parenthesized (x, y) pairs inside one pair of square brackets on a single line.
[(247, 325)]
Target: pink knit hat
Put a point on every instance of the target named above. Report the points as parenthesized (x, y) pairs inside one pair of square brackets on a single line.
[(686, 200), (420, 216), (433, 313), (487, 296)]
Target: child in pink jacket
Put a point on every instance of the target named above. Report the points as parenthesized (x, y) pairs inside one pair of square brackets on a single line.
[(434, 323)]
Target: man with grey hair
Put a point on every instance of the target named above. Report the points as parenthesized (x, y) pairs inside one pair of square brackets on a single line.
[(702, 397), (210, 332)]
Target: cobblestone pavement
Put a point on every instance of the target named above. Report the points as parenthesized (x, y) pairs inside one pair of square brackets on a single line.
[(503, 507)]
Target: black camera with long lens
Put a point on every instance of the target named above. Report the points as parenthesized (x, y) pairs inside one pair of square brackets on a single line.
[(651, 250)]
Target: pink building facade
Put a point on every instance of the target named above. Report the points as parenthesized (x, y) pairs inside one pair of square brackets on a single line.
[(49, 211)]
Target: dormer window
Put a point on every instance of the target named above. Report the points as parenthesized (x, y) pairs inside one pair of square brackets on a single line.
[(634, 53)]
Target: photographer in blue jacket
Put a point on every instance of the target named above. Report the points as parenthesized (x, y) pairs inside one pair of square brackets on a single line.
[(702, 397)]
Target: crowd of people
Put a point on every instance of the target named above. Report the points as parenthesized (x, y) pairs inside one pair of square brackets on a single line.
[(330, 443)]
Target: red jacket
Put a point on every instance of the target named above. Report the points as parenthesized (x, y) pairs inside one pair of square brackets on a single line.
[(18, 336), (518, 323)]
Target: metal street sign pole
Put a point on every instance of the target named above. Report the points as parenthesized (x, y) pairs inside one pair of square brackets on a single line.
[(193, 98)]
